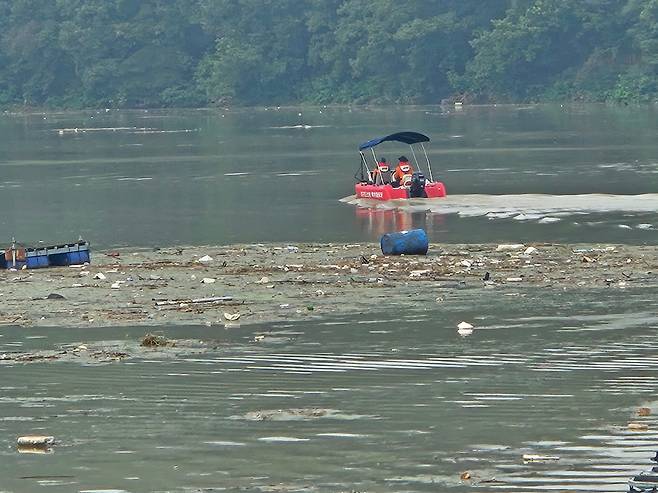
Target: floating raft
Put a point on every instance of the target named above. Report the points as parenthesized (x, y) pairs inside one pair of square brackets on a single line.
[(18, 257)]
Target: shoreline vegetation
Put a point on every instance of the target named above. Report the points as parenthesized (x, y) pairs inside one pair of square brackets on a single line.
[(228, 286), (198, 53), (22, 111)]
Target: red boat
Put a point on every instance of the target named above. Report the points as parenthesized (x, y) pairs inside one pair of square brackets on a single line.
[(380, 185)]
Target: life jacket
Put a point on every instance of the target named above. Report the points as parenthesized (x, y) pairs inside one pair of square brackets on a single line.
[(403, 169)]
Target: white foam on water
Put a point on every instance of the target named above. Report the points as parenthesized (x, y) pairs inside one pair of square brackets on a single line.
[(283, 439), (152, 131), (303, 127), (225, 443), (342, 435), (543, 208), (103, 491)]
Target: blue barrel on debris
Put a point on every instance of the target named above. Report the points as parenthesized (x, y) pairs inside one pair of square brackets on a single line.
[(412, 242)]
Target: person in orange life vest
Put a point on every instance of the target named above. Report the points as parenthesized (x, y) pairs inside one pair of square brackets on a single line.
[(381, 175), (403, 169)]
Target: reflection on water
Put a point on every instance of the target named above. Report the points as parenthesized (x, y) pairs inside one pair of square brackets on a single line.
[(385, 402), (376, 221), (209, 177)]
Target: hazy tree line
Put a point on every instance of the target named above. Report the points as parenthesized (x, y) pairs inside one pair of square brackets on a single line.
[(129, 53)]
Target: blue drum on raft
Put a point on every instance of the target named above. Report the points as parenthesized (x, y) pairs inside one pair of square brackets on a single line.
[(412, 242)]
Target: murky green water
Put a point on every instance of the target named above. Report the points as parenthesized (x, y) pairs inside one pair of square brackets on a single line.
[(390, 401), (162, 178), (406, 404)]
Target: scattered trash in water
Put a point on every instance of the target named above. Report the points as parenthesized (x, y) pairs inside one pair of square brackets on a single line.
[(539, 458), (231, 316), (464, 329), (193, 301), (35, 440), (509, 247), (153, 340)]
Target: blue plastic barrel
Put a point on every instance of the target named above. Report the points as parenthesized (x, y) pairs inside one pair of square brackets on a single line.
[(412, 242)]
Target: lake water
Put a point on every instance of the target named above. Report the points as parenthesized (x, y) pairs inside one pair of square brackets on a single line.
[(383, 401), (208, 177)]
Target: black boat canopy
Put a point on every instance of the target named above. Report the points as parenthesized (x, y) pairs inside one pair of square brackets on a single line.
[(405, 137)]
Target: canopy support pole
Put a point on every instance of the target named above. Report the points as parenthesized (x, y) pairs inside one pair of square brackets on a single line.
[(413, 153), (374, 156), (429, 166), (365, 166)]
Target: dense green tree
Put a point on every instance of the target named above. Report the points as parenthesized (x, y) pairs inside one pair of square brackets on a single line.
[(134, 53)]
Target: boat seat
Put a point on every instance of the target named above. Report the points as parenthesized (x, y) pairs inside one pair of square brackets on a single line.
[(383, 178)]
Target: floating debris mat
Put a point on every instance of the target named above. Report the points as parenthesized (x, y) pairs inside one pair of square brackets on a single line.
[(20, 257)]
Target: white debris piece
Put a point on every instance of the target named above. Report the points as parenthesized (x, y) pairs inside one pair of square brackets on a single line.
[(530, 251), (514, 279), (35, 440), (100, 276), (466, 263), (205, 259), (231, 316), (539, 458), (419, 273), (464, 329), (263, 280), (510, 246), (207, 280)]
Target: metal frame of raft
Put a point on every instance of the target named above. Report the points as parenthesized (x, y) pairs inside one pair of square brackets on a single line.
[(20, 257)]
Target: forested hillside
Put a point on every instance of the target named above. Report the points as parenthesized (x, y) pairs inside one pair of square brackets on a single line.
[(137, 53)]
